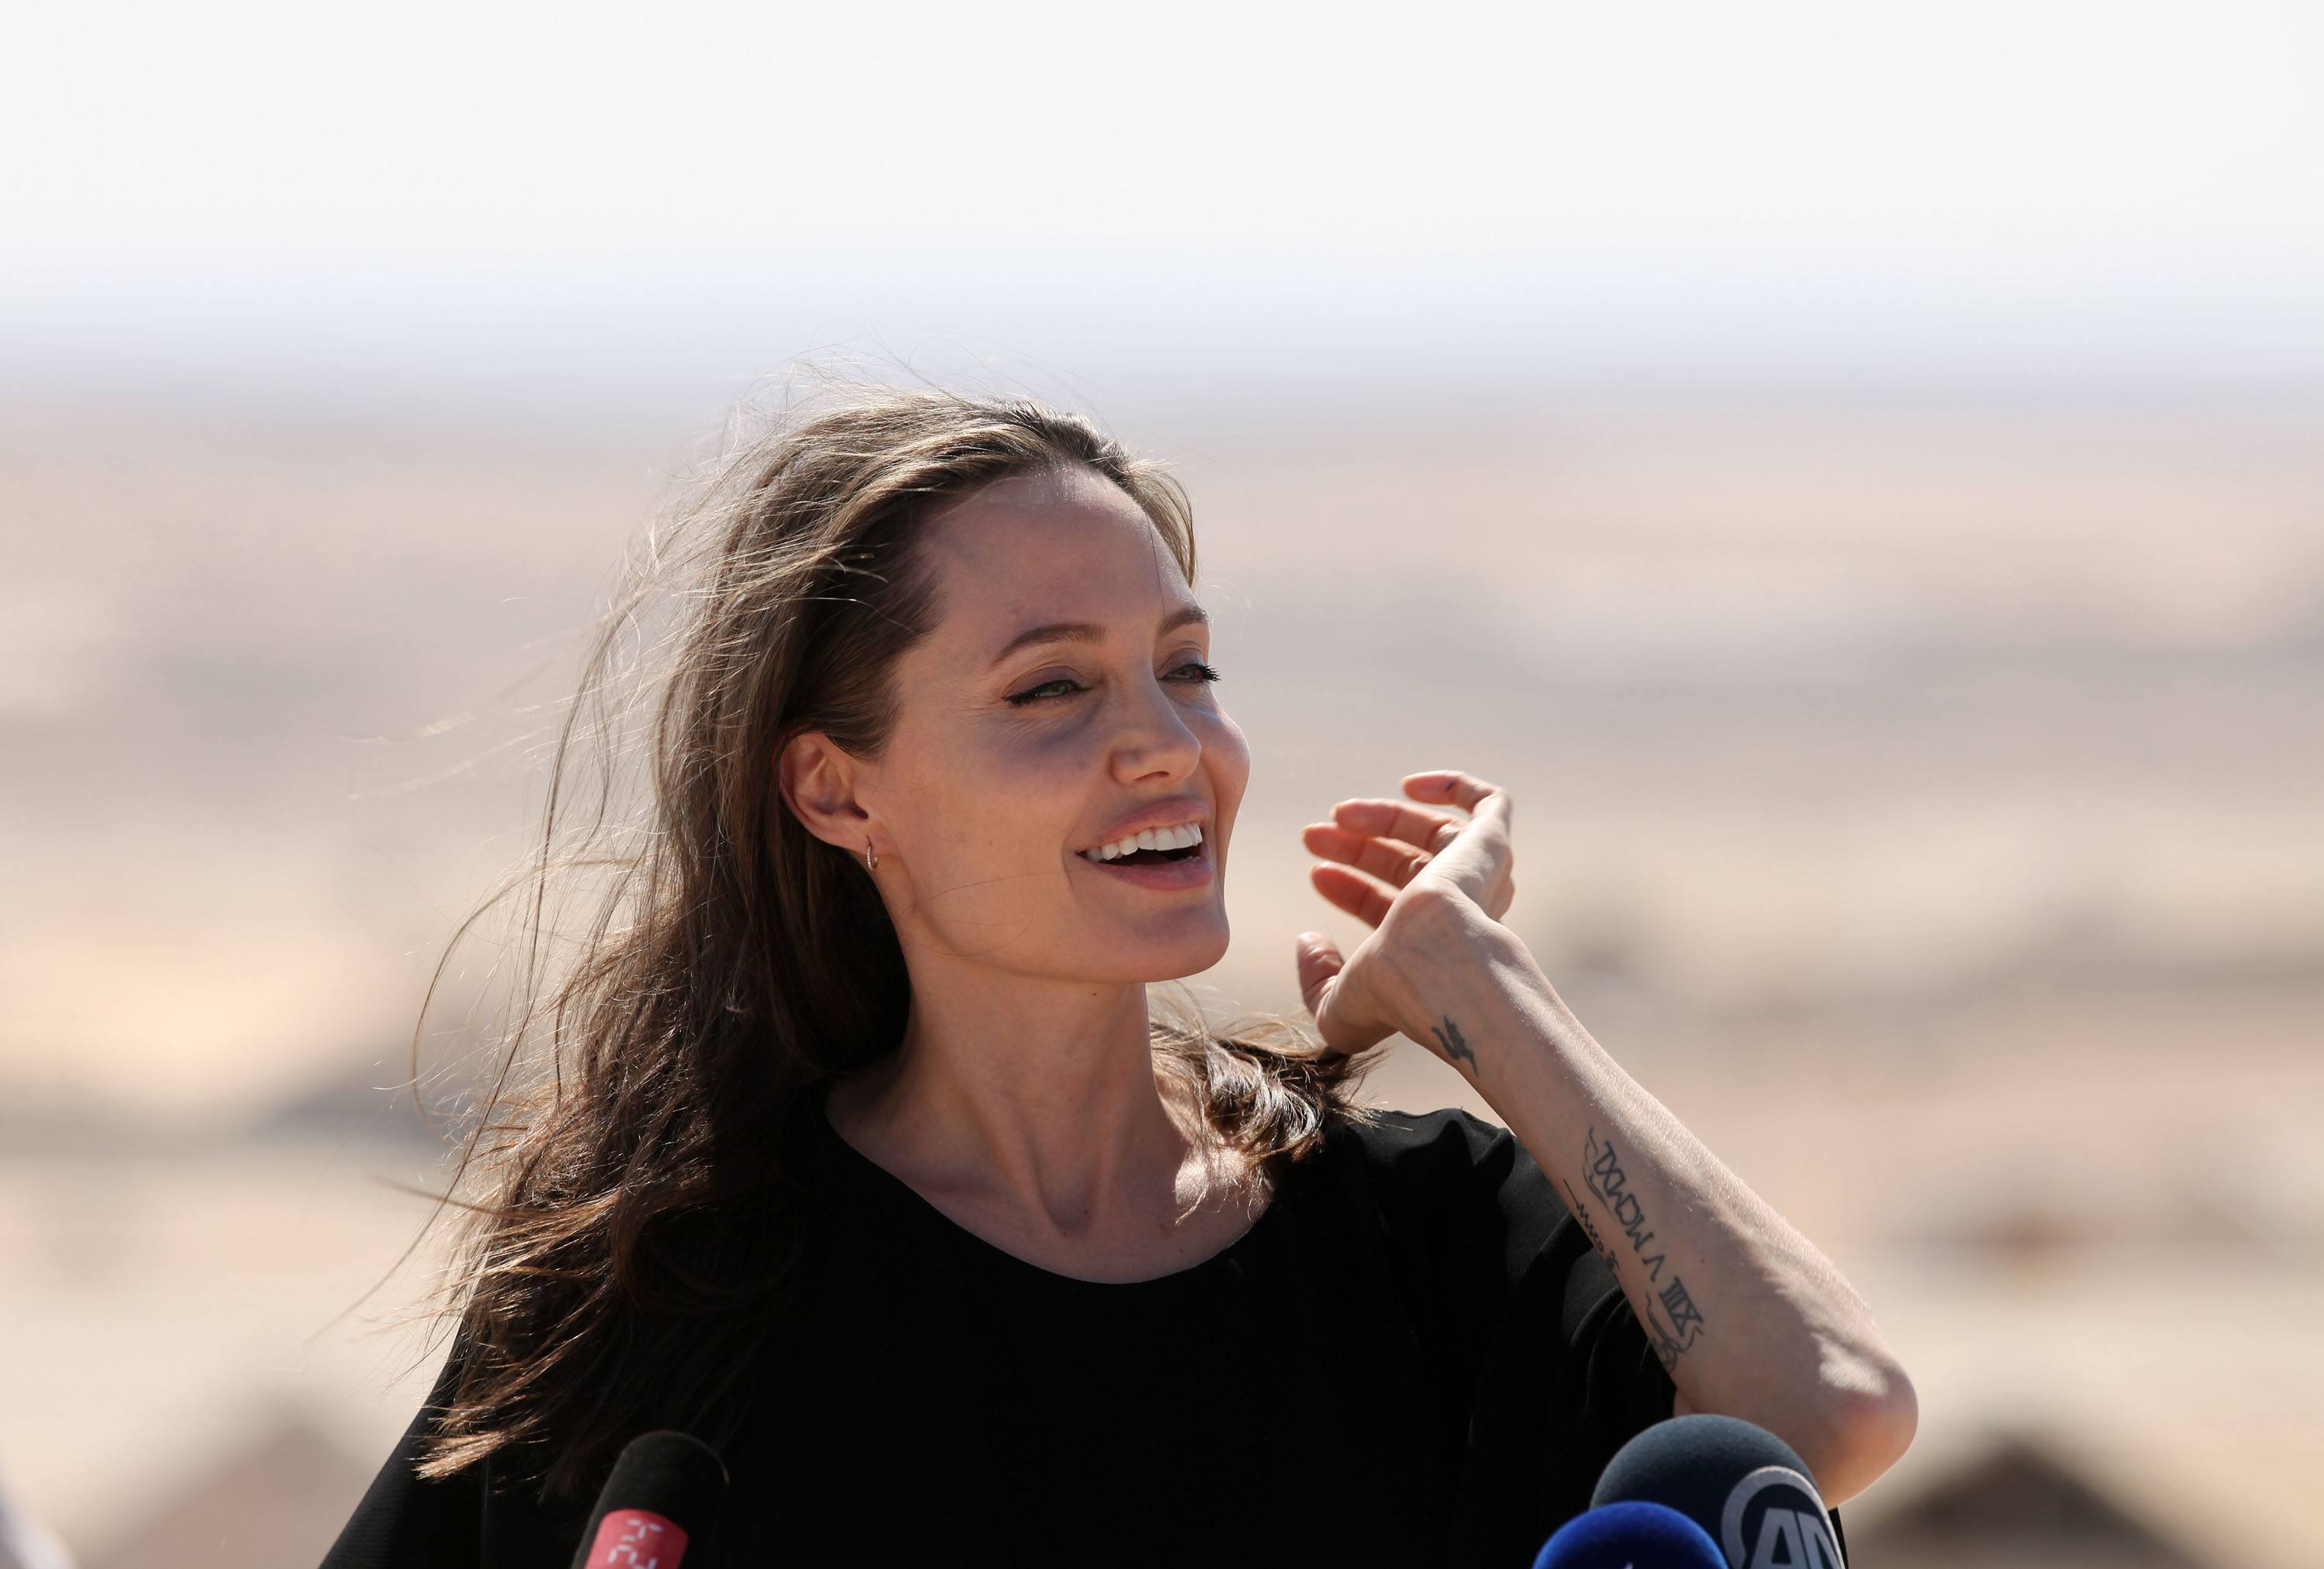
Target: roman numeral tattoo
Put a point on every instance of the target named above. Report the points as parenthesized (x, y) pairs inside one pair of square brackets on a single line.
[(1449, 1041), (1672, 1321)]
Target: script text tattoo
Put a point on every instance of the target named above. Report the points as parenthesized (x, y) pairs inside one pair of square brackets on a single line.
[(1672, 1319), (1588, 1228)]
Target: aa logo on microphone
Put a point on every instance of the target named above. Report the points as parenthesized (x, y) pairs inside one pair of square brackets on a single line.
[(1774, 1519)]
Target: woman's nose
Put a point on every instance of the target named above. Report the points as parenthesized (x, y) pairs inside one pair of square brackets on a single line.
[(1156, 730)]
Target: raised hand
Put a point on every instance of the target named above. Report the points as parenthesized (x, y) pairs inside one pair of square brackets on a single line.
[(1437, 868)]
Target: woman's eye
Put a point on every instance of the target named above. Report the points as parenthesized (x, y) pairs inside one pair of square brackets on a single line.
[(1202, 674), (1040, 693)]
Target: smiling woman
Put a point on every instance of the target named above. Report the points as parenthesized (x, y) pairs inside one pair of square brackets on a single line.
[(1020, 738), (860, 1153)]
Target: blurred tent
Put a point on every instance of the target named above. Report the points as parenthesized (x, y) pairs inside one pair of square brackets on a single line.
[(2019, 1502)]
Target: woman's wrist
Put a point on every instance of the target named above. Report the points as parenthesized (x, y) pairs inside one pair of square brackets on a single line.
[(1452, 957)]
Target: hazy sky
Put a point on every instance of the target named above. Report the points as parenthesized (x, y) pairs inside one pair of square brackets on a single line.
[(505, 191)]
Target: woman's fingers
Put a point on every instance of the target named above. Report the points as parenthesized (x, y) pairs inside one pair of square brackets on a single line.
[(1360, 896), (1394, 841), (1385, 859), (1317, 958), (1349, 1021), (1426, 830), (1465, 790)]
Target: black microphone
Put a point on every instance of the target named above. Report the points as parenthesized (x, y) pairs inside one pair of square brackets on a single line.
[(1738, 1482), (655, 1506)]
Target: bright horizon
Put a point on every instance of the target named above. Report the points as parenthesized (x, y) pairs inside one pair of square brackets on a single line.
[(483, 204)]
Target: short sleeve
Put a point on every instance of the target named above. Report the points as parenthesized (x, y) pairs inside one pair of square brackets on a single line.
[(1534, 1333), (457, 1522), (404, 1520)]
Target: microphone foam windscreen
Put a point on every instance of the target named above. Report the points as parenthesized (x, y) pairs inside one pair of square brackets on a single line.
[(1743, 1485), (660, 1495), (1631, 1536)]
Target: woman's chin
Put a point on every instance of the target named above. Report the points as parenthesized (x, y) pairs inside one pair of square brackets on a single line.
[(1152, 955)]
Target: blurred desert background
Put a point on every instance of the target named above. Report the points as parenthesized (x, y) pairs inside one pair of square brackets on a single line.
[(1894, 594)]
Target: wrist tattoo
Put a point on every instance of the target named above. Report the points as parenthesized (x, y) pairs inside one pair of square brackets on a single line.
[(1449, 1041), (1672, 1321)]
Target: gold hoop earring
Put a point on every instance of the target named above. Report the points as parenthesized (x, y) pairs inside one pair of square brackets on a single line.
[(870, 862)]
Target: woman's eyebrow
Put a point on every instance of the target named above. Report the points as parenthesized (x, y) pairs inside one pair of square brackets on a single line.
[(1089, 631)]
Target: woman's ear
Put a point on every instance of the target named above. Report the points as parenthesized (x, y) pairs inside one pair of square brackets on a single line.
[(817, 781)]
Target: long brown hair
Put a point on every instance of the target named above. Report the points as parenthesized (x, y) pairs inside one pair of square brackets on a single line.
[(641, 1198)]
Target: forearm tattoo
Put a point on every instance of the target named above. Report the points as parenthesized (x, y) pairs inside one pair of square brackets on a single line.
[(1449, 1041), (1588, 1229), (1673, 1323)]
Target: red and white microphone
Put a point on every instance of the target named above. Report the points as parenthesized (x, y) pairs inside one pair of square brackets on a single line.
[(657, 1504)]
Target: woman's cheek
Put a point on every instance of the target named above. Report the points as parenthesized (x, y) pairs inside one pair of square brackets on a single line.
[(1229, 755), (1031, 768)]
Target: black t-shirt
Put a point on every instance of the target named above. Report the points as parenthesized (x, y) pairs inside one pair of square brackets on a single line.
[(1413, 1357)]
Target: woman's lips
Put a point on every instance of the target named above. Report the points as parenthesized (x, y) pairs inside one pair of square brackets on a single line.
[(1194, 871)]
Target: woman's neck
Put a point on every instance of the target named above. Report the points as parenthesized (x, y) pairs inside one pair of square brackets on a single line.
[(1063, 1125)]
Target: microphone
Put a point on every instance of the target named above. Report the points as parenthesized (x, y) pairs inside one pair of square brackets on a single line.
[(657, 1503), (1631, 1535), (1743, 1485)]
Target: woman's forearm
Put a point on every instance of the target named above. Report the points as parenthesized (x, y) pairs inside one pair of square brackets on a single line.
[(1750, 1320)]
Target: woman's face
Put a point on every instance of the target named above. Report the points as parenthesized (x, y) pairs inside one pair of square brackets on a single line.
[(1013, 753)]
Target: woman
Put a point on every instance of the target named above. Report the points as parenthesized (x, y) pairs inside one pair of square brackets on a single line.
[(864, 1159)]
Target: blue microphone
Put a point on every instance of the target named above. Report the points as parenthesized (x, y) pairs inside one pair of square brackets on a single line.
[(1750, 1493), (1634, 1535)]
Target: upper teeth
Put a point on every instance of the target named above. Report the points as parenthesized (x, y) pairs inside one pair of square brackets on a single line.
[(1176, 838)]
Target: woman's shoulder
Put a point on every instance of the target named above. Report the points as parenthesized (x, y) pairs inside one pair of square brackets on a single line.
[(1450, 1143), (1466, 1189), (1388, 1125), (459, 1520)]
